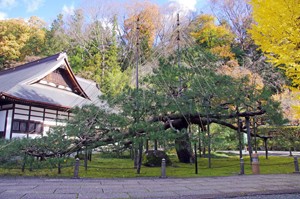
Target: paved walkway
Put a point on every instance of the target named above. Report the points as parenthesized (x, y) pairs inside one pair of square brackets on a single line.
[(208, 187)]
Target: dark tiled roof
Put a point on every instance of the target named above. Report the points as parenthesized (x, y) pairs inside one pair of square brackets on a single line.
[(20, 83)]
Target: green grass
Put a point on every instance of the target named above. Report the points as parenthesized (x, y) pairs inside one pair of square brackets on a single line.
[(103, 167)]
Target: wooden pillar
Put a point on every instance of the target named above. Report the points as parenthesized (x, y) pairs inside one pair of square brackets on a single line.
[(249, 137), (147, 145), (239, 123), (254, 132), (266, 146), (155, 144)]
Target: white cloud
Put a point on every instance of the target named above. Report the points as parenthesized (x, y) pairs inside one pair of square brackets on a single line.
[(69, 10), (7, 3), (3, 15), (33, 5), (188, 5)]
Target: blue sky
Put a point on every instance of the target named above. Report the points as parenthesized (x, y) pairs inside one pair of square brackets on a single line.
[(49, 9)]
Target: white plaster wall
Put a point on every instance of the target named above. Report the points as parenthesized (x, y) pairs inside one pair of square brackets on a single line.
[(8, 126), (22, 106), (25, 112), (7, 106), (23, 135), (2, 120), (19, 135), (46, 130), (21, 117), (49, 122)]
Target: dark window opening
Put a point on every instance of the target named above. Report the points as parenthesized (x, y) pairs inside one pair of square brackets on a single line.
[(16, 126), (31, 127), (24, 126)]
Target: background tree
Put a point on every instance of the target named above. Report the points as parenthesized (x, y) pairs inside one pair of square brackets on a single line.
[(238, 15), (34, 45), (276, 32), (283, 137), (216, 38), (56, 38), (146, 17), (18, 36), (223, 138), (114, 80)]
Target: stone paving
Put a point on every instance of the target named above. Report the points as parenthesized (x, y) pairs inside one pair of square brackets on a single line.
[(204, 187)]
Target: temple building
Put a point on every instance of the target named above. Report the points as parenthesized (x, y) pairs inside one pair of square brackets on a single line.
[(41, 94)]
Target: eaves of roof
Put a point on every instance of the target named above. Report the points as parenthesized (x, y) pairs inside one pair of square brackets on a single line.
[(34, 103)]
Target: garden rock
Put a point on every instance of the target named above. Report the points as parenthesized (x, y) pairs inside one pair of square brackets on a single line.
[(153, 158)]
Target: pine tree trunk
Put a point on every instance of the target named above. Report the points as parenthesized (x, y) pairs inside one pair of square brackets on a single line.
[(183, 149)]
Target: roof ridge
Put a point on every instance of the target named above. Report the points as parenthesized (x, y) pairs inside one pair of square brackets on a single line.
[(29, 64)]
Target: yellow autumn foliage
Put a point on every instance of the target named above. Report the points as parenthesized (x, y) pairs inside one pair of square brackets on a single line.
[(20, 38), (217, 38), (276, 31), (13, 36), (223, 51)]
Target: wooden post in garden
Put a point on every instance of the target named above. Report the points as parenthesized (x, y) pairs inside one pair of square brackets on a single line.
[(23, 166), (59, 167), (209, 147), (290, 150), (76, 168), (163, 168), (140, 157), (296, 164), (266, 146), (240, 124), (255, 164), (249, 137), (196, 161), (242, 166), (254, 132), (86, 158), (199, 134)]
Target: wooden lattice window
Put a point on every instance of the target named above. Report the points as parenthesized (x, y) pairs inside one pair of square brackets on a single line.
[(24, 126)]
